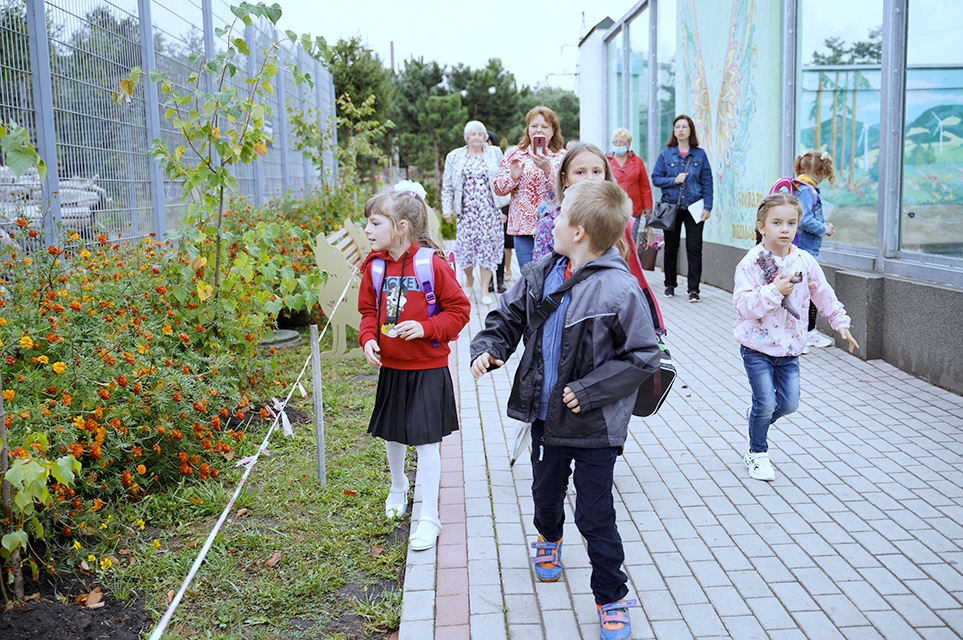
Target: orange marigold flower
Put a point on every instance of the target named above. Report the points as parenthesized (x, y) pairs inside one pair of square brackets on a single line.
[(51, 338), (214, 473), (8, 395), (115, 423), (101, 238), (161, 430), (22, 223), (54, 251), (176, 434), (141, 469), (98, 505), (95, 452), (19, 452), (125, 479), (136, 451), (129, 358), (57, 308), (185, 369), (184, 338), (182, 456), (224, 413), (198, 407), (157, 449), (206, 444), (66, 531), (263, 413), (67, 399), (75, 305), (215, 423), (161, 289), (99, 413), (104, 394), (186, 470), (122, 381)]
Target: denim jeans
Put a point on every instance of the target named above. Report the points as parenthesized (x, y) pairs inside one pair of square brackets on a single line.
[(775, 392), (524, 246), (594, 507)]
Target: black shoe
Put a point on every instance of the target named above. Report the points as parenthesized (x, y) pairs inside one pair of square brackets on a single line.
[(491, 286), (501, 287), (670, 292), (694, 296)]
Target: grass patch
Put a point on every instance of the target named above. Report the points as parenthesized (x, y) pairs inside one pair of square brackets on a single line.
[(341, 560)]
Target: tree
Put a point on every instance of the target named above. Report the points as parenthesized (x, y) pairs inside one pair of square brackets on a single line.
[(490, 94), (359, 72), (414, 85)]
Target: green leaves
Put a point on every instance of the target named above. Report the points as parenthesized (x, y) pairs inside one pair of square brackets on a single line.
[(19, 154)]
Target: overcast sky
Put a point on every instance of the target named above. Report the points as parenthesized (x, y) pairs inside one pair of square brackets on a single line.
[(534, 41)]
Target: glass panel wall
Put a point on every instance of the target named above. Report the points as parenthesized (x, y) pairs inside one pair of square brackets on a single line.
[(639, 82), (614, 81), (932, 212), (838, 106), (666, 30)]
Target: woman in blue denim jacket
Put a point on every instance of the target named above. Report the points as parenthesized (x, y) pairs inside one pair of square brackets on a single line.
[(683, 165)]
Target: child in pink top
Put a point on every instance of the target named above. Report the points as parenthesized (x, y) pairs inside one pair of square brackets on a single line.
[(770, 327)]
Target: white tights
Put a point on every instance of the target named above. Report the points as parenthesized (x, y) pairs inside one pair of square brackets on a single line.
[(427, 478)]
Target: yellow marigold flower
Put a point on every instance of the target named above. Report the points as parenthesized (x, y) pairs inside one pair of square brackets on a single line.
[(167, 330), (26, 342), (79, 422), (141, 469), (142, 349), (76, 544), (3, 322), (155, 545), (105, 564), (140, 524), (28, 261), (8, 395), (84, 254), (59, 367), (43, 359), (103, 525), (74, 235), (91, 558)]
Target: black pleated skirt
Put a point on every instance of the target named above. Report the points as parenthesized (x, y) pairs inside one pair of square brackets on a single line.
[(414, 407)]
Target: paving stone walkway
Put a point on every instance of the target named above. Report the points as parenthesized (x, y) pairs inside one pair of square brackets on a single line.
[(860, 536)]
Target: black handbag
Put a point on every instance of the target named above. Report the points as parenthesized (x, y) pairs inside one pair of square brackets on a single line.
[(665, 214), (655, 389)]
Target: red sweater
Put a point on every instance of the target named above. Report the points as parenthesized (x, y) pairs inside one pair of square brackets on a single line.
[(634, 181), (452, 316)]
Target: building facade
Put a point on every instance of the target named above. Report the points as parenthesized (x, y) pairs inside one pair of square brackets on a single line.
[(877, 84)]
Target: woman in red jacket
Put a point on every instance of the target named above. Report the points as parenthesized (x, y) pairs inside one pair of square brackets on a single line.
[(630, 173)]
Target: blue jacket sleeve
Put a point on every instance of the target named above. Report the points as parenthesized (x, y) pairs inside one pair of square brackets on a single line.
[(810, 223), (659, 176), (706, 182)]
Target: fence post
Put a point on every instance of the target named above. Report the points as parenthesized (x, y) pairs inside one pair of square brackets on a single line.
[(152, 104), (318, 405), (43, 109), (283, 120), (252, 68)]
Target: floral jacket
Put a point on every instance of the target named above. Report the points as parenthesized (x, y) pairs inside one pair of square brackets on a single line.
[(532, 190), (453, 181)]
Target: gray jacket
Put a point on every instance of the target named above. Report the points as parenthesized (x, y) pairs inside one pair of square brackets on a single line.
[(453, 182), (608, 349)]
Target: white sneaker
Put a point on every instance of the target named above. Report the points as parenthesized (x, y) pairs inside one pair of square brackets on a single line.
[(816, 339), (759, 466)]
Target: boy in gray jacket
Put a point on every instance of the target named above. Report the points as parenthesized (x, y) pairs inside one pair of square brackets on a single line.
[(586, 354)]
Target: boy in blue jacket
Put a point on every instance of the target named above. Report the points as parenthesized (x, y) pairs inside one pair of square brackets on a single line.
[(585, 357)]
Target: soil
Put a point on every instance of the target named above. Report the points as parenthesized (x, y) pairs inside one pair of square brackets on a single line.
[(52, 619)]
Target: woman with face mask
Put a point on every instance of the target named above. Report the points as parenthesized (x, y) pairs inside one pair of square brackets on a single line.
[(630, 173)]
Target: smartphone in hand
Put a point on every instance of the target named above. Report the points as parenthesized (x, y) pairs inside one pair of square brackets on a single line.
[(538, 144)]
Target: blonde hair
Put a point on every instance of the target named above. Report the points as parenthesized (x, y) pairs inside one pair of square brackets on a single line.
[(818, 165), (403, 205), (622, 131), (772, 201), (602, 209), (557, 141)]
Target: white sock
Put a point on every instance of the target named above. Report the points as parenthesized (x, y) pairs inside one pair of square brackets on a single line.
[(396, 464), (428, 478)]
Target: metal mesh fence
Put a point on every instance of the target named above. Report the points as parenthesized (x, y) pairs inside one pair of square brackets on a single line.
[(61, 61)]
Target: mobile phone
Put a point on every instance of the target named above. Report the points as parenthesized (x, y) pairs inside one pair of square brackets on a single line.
[(797, 278), (538, 144)]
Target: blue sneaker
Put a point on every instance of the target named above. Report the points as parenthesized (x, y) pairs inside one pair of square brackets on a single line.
[(548, 561), (614, 619)]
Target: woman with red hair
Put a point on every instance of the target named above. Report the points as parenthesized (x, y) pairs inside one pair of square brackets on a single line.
[(527, 173)]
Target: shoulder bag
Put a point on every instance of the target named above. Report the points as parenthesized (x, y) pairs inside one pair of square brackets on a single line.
[(665, 214)]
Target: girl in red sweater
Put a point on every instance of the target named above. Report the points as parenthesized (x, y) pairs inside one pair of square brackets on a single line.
[(415, 401)]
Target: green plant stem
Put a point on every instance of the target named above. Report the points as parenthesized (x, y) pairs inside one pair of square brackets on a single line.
[(7, 503)]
